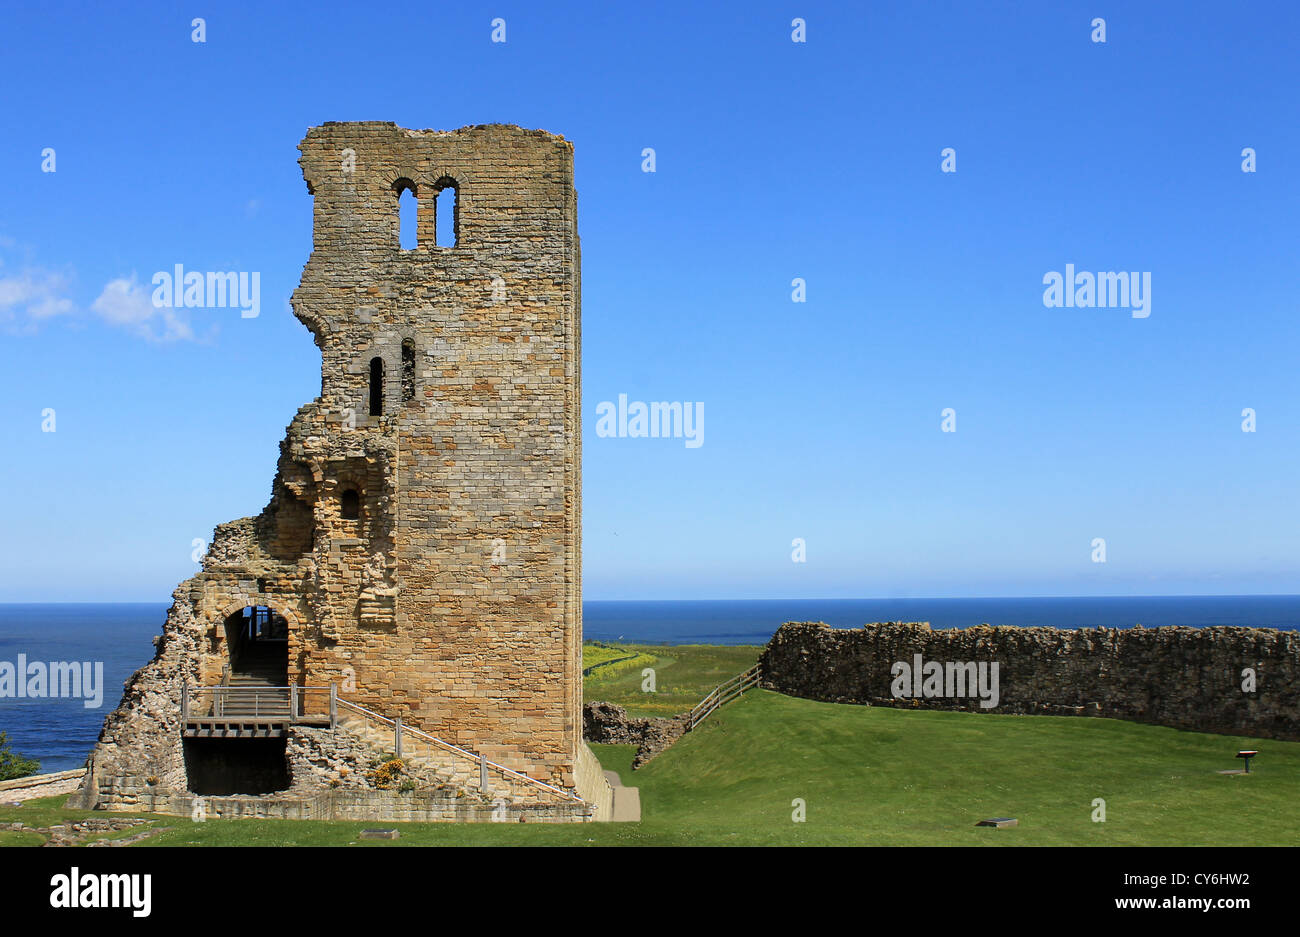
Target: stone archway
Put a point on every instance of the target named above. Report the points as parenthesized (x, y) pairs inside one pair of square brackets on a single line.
[(254, 635), (241, 601)]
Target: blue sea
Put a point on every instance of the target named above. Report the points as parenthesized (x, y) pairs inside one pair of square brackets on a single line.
[(61, 732)]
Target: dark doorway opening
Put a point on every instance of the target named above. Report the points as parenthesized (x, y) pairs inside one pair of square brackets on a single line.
[(350, 504), (218, 767), (258, 640)]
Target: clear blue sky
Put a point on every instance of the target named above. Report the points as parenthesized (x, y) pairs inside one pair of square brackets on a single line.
[(775, 160)]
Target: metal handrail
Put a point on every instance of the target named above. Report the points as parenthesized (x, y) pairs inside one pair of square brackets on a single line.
[(482, 762), (282, 700), (723, 693)]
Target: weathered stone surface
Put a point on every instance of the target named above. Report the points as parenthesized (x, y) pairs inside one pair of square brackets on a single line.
[(609, 723), (593, 784), (1189, 678), (338, 760), (424, 558)]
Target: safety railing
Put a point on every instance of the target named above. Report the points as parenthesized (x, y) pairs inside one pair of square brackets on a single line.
[(721, 694), (408, 740), (291, 703)]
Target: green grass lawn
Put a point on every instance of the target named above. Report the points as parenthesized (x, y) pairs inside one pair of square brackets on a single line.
[(877, 776), (684, 674), (20, 838), (896, 777)]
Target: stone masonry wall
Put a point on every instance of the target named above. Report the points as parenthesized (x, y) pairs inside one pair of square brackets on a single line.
[(451, 597), (366, 805), (468, 622), (1189, 678), (592, 785)]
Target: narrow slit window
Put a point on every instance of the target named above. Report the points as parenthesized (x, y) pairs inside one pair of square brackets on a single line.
[(351, 505), (408, 371), (408, 211), (446, 215), (376, 386)]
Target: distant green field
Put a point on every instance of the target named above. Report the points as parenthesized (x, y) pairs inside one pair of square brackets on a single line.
[(872, 776), (593, 654), (683, 675)]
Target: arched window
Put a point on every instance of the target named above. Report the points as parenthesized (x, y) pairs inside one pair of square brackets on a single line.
[(446, 213), (376, 386), (408, 210), (351, 504), (408, 370)]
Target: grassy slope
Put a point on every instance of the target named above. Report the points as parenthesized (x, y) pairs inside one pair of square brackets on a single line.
[(896, 777)]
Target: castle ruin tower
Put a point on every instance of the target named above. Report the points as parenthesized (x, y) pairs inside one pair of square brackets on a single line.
[(443, 459), (421, 551)]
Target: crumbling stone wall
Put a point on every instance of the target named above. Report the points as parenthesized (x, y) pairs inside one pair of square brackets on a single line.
[(1188, 678), (609, 723), (453, 598)]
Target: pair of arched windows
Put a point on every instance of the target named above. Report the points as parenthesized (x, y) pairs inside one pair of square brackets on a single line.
[(377, 378), (444, 204)]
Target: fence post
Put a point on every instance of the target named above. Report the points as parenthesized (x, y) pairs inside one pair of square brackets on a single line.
[(334, 704), (482, 773), (397, 736), (293, 703)]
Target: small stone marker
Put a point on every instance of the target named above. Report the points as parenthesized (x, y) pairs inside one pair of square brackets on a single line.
[(1000, 823), (380, 834)]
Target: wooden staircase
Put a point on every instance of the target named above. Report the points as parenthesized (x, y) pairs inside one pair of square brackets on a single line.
[(261, 673)]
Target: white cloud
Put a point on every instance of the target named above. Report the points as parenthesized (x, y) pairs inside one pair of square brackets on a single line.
[(33, 296), (126, 302)]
